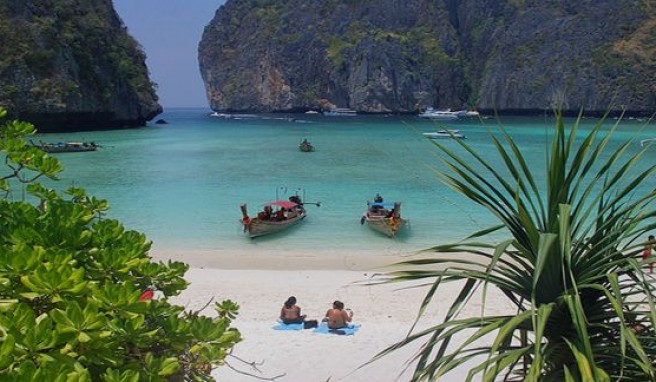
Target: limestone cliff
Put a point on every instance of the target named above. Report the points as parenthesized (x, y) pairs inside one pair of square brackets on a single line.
[(71, 65), (400, 56)]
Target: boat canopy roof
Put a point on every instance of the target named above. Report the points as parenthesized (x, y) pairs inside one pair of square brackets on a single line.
[(282, 203), (380, 204)]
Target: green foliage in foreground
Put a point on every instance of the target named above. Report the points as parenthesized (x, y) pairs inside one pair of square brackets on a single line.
[(571, 266), (70, 287)]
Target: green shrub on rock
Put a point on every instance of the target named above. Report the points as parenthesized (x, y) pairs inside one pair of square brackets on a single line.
[(72, 301)]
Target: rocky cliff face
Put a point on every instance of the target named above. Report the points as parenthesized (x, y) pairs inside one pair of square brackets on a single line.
[(71, 65), (401, 56)]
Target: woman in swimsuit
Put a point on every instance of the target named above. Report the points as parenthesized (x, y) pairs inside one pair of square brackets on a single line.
[(291, 313)]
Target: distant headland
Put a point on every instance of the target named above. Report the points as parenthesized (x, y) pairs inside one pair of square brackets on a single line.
[(71, 65)]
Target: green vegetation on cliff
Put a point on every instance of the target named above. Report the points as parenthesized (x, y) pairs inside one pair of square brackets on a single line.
[(390, 56), (65, 58)]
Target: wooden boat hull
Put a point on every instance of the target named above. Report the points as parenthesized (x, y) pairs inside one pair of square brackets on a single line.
[(387, 226), (67, 147), (51, 150), (257, 227), (306, 148)]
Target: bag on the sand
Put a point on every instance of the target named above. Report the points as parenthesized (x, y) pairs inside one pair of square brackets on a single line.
[(309, 324)]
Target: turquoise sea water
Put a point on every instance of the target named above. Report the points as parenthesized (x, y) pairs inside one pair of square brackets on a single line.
[(182, 183)]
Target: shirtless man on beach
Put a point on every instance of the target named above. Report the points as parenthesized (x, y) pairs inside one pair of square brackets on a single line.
[(338, 317)]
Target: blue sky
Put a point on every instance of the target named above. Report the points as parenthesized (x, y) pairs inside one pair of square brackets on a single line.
[(169, 31)]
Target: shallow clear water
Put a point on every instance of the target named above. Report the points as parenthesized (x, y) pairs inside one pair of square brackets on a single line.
[(182, 183)]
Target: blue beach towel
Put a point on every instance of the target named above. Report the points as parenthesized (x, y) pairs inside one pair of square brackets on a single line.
[(281, 326), (349, 330)]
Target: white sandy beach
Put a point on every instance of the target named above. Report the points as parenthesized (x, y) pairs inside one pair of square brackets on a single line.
[(261, 283)]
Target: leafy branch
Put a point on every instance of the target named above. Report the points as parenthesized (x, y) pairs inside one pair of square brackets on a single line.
[(71, 287)]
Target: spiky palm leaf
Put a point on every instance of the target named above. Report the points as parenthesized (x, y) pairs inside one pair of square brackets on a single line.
[(585, 310)]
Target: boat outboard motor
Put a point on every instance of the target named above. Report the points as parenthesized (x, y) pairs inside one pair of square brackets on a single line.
[(397, 209)]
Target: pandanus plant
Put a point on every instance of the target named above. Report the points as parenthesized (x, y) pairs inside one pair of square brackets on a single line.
[(571, 266)]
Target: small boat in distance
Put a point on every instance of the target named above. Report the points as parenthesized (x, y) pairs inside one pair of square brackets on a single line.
[(216, 114), (468, 114), (305, 146), (442, 134), (67, 147), (340, 112), (647, 141), (431, 113), (275, 216), (383, 217)]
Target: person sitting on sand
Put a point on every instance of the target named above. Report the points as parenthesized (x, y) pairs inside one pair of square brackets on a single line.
[(291, 313), (337, 317)]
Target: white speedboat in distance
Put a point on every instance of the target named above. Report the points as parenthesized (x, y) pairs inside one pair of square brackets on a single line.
[(340, 112), (431, 113), (216, 114), (468, 114), (441, 134)]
